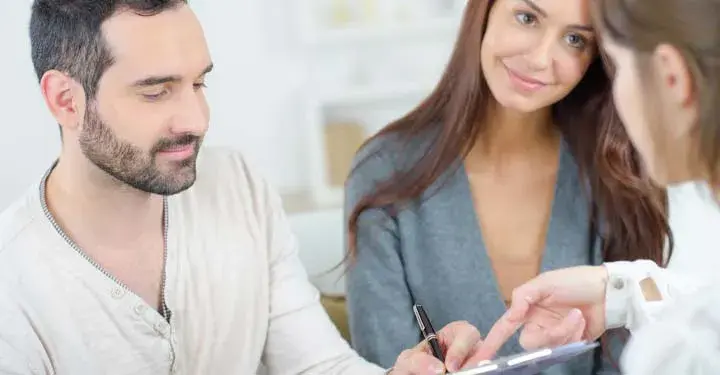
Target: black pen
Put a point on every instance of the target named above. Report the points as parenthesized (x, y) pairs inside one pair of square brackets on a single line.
[(428, 332)]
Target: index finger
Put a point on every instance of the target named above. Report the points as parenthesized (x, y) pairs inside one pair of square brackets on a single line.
[(505, 327), (500, 332)]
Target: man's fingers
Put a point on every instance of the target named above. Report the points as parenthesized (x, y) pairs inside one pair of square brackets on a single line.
[(462, 339), (417, 362)]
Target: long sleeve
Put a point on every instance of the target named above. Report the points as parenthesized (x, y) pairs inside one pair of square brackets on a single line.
[(681, 333), (694, 218), (20, 348), (301, 337), (684, 340), (11, 362), (379, 302)]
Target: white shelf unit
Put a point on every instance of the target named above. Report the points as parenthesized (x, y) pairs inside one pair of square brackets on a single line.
[(373, 109), (369, 73)]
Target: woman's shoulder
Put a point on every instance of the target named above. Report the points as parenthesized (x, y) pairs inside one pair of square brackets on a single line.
[(398, 150), (385, 155)]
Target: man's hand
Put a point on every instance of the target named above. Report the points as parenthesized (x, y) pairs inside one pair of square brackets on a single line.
[(459, 340), (554, 308)]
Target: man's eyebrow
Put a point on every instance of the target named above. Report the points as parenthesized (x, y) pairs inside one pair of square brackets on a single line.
[(156, 80), (159, 80)]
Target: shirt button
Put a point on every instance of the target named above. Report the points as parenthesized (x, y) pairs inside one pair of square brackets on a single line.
[(618, 283), (162, 329), (117, 293), (139, 309)]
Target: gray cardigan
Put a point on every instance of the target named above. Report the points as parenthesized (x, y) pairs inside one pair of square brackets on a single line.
[(431, 252)]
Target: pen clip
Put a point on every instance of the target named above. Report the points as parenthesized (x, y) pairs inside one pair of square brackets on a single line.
[(418, 317)]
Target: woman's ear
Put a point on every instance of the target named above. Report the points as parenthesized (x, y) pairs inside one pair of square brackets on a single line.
[(673, 75), (677, 89)]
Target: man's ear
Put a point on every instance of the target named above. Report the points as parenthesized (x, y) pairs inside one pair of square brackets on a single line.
[(64, 97)]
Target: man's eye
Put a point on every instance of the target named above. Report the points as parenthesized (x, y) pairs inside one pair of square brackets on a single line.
[(154, 96)]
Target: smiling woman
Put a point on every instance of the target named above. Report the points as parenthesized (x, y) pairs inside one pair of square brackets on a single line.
[(527, 69), (515, 164)]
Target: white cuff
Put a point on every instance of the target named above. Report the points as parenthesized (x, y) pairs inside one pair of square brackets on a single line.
[(625, 304), (617, 294)]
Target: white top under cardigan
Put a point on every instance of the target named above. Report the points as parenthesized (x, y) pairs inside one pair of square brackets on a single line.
[(681, 333), (238, 293)]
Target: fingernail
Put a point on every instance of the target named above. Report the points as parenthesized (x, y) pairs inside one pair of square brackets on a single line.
[(575, 313), (452, 365), (438, 369)]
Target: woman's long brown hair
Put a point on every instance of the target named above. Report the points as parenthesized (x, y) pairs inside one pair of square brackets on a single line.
[(633, 211), (690, 27)]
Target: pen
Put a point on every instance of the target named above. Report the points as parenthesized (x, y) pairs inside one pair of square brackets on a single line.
[(428, 332)]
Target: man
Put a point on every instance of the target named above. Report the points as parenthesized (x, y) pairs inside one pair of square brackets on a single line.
[(123, 260)]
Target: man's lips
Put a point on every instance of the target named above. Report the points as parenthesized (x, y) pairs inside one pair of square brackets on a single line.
[(178, 151)]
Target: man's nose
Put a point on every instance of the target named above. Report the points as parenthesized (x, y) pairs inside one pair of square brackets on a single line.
[(192, 115)]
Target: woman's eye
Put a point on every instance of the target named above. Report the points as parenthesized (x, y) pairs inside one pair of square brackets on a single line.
[(576, 41), (525, 18)]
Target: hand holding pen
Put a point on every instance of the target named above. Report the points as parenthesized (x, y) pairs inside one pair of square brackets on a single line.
[(442, 351), (428, 332)]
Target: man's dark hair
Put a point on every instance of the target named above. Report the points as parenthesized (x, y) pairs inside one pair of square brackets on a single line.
[(65, 35)]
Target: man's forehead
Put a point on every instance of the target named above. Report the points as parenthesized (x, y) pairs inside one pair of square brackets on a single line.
[(170, 42)]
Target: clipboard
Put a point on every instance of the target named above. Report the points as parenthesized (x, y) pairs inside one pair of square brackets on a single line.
[(530, 363)]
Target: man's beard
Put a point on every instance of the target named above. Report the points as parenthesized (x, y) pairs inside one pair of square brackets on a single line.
[(130, 164)]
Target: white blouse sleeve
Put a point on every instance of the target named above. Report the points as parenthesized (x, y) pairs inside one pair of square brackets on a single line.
[(625, 303), (684, 340)]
